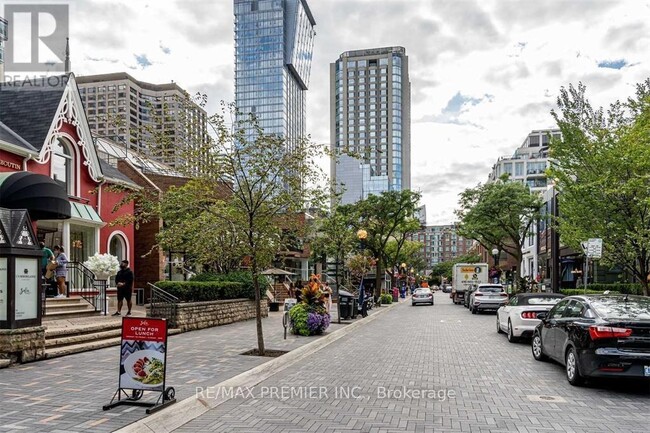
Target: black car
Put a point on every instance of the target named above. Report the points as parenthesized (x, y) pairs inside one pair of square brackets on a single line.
[(596, 336)]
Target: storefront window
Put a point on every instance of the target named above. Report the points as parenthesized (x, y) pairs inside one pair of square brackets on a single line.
[(82, 243), (62, 166)]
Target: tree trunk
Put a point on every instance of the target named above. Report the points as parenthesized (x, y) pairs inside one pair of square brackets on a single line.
[(378, 278), (258, 298)]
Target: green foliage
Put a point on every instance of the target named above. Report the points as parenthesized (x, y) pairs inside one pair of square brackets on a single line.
[(632, 289), (386, 217), (498, 214), (446, 268), (197, 291), (602, 171), (385, 298), (571, 292), (242, 277), (298, 315)]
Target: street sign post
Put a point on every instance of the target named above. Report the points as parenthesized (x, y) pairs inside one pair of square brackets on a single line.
[(593, 249)]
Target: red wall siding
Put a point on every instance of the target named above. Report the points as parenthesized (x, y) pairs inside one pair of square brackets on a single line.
[(109, 200)]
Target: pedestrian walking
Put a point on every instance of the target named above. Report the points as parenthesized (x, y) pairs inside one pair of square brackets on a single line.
[(61, 271), (327, 292), (124, 282)]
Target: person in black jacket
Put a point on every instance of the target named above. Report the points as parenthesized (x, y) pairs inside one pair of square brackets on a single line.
[(124, 281)]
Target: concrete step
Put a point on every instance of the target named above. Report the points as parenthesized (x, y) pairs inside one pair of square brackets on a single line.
[(69, 340), (71, 314), (57, 351)]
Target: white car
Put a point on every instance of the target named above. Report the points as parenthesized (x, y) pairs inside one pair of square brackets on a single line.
[(518, 318)]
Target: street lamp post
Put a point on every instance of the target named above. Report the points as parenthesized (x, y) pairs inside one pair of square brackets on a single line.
[(495, 255), (362, 235)]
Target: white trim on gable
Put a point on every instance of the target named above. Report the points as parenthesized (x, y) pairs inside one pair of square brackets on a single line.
[(71, 111)]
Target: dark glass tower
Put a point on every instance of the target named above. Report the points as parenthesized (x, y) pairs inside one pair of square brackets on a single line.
[(273, 51)]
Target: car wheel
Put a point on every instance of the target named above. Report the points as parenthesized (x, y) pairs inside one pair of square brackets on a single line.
[(538, 352), (499, 331), (572, 371), (474, 310), (511, 337)]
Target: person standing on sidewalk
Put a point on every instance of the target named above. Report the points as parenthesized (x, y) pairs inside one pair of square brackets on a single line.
[(61, 271), (48, 256), (124, 282)]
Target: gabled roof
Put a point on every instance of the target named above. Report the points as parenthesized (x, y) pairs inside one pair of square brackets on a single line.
[(113, 174), (28, 107), (10, 137)]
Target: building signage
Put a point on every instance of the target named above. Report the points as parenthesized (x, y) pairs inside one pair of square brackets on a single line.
[(3, 288), (27, 275), (8, 164), (143, 354)]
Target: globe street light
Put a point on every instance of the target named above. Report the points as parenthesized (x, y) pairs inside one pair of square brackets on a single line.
[(495, 254)]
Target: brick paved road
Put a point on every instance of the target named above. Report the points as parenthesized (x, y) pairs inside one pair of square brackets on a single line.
[(483, 384), (67, 394)]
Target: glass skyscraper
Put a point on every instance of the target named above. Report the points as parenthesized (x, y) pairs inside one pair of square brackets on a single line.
[(274, 42), (370, 117)]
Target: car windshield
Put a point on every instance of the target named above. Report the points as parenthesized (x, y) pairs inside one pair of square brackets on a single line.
[(422, 291), (541, 300), (622, 307), (491, 289)]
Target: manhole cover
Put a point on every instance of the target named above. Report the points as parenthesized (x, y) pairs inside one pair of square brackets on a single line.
[(547, 398)]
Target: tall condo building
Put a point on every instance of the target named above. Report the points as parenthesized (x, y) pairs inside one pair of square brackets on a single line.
[(3, 38), (370, 121), (274, 42), (157, 120)]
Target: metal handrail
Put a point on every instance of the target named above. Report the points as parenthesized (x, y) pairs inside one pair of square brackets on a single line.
[(163, 304), (83, 281)]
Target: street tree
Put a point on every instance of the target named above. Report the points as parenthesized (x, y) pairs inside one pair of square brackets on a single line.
[(386, 217), (602, 171), (334, 237), (268, 181), (499, 214)]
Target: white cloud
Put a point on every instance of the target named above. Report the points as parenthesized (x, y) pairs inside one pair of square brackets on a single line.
[(519, 53)]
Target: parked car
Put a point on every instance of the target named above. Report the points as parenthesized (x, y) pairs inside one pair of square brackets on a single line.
[(518, 317), (446, 288), (487, 297), (596, 336), (468, 293), (422, 296)]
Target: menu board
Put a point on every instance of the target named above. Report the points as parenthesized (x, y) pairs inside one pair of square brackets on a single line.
[(143, 353), (27, 276), (3, 288)]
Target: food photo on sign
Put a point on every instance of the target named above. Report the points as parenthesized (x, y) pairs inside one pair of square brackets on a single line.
[(142, 357)]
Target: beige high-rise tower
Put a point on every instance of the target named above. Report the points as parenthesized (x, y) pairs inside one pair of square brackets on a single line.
[(370, 116)]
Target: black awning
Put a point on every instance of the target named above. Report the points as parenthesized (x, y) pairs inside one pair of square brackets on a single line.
[(42, 196)]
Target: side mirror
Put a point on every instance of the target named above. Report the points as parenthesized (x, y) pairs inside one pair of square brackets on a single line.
[(542, 316)]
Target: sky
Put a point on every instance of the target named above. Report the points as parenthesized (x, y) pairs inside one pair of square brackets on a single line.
[(483, 73)]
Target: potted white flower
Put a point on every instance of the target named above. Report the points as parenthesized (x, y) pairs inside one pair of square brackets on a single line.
[(103, 265)]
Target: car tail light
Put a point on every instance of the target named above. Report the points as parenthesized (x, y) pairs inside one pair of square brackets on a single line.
[(598, 332), (478, 294), (504, 294), (529, 315)]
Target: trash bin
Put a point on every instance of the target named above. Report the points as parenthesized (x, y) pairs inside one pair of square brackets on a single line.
[(347, 305), (395, 294)]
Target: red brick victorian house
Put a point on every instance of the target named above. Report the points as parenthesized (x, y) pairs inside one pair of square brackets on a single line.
[(47, 158)]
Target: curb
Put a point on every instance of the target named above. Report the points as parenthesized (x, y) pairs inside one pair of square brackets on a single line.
[(179, 414)]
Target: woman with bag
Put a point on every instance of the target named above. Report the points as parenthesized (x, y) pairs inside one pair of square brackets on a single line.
[(61, 271)]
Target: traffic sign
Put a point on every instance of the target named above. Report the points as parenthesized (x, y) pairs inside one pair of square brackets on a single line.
[(595, 248)]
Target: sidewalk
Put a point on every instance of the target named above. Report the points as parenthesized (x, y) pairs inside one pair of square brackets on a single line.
[(67, 394)]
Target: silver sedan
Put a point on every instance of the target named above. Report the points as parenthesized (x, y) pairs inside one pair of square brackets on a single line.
[(422, 296)]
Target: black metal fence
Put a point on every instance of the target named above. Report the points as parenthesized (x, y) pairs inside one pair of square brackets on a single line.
[(81, 281)]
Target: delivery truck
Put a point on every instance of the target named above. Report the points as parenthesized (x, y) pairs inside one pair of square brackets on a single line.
[(466, 275)]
